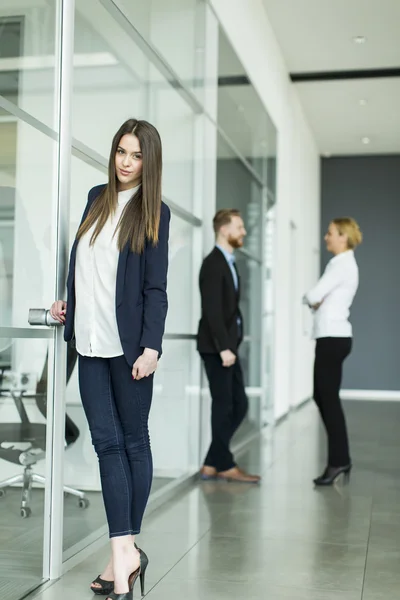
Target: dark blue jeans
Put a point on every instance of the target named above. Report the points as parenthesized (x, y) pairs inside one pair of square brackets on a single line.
[(117, 409)]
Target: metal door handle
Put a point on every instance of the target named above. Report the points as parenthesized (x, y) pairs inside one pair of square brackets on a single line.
[(41, 316)]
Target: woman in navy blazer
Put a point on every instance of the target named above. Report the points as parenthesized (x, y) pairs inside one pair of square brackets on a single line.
[(116, 309)]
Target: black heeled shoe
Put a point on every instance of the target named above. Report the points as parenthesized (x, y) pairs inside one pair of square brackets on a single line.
[(144, 561), (330, 475), (107, 587), (133, 577)]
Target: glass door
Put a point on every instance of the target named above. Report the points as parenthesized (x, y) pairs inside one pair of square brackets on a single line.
[(32, 360), (24, 459), (34, 160)]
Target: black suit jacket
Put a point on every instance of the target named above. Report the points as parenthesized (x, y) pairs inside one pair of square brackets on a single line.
[(141, 291), (218, 327)]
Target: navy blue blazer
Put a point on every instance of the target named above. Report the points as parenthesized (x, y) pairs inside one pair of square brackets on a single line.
[(141, 291)]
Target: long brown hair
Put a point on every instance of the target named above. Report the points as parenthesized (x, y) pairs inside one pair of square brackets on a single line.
[(141, 216)]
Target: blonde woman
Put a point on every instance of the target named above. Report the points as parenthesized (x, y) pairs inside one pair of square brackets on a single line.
[(330, 301)]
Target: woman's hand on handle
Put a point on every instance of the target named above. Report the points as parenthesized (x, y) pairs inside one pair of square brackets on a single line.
[(58, 311), (146, 364)]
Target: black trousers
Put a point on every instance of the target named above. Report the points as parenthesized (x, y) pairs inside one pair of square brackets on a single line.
[(229, 407), (330, 353)]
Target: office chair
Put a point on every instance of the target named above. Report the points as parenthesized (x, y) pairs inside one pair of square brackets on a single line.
[(24, 443)]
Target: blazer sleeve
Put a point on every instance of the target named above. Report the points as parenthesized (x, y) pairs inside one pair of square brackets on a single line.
[(211, 281), (155, 301)]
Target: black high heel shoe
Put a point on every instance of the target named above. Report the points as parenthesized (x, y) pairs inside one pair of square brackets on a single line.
[(144, 561), (107, 587), (133, 577), (330, 475)]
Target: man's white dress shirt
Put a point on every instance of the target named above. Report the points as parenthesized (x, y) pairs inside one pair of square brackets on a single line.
[(96, 329), (336, 290)]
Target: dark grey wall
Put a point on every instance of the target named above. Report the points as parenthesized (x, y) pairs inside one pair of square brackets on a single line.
[(368, 189)]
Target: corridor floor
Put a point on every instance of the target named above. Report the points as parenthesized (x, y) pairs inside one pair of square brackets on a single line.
[(282, 539)]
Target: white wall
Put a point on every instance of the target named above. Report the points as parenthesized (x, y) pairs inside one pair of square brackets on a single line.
[(252, 36)]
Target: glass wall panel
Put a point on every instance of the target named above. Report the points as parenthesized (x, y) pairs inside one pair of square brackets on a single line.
[(28, 190), (237, 188), (250, 305), (23, 409), (174, 432), (180, 281), (246, 179), (241, 113), (175, 121), (27, 53), (179, 365), (174, 419), (115, 77), (250, 349), (114, 80), (163, 21), (27, 167)]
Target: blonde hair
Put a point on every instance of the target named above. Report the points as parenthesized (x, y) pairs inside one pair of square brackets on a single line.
[(348, 226)]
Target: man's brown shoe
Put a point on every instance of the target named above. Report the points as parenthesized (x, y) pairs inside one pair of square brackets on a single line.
[(236, 474)]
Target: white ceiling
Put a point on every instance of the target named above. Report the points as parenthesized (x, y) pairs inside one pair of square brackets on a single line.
[(317, 36)]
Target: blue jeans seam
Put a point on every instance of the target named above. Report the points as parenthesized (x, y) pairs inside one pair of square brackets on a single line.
[(116, 436), (142, 427)]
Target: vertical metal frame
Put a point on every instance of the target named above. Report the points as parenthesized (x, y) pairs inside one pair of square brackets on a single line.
[(209, 180), (264, 317), (54, 500), (271, 387)]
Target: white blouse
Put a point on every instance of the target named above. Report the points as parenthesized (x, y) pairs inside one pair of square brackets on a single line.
[(96, 329), (336, 290)]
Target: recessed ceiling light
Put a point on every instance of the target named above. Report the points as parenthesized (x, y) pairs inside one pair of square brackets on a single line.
[(366, 140), (359, 39), (363, 102)]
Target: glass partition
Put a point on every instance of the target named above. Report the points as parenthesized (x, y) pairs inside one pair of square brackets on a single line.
[(246, 175), (28, 53), (23, 460), (126, 62), (237, 188), (241, 114), (115, 78), (27, 179), (160, 22)]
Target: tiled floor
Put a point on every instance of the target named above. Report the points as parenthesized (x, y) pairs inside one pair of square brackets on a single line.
[(282, 539), (21, 540)]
